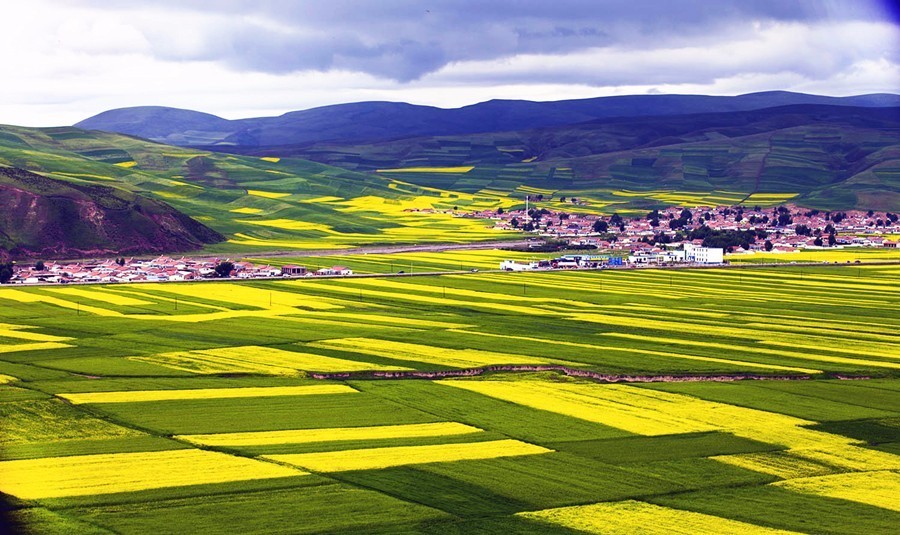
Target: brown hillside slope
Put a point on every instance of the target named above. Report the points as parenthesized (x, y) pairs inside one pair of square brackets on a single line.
[(44, 217)]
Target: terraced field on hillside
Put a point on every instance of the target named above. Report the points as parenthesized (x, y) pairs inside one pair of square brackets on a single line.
[(257, 203), (196, 406), (271, 203)]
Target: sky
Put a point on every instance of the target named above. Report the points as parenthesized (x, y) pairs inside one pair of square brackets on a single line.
[(66, 60)]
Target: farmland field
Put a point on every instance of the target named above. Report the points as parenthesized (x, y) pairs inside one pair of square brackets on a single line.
[(763, 400)]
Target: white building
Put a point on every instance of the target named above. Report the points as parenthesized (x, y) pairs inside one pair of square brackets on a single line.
[(703, 255), (512, 265)]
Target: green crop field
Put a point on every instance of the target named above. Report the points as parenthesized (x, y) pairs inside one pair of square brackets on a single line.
[(328, 406)]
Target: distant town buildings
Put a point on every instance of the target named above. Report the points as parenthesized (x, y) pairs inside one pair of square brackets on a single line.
[(780, 229), (160, 269)]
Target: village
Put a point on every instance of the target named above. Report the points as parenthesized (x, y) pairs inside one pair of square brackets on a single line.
[(160, 269), (784, 228), (676, 235)]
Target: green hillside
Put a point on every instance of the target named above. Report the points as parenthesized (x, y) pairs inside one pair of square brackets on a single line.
[(830, 157), (257, 203), (411, 191)]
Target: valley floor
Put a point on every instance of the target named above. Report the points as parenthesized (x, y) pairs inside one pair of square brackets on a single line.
[(195, 407)]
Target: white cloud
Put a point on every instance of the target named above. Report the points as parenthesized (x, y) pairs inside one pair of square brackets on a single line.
[(65, 61)]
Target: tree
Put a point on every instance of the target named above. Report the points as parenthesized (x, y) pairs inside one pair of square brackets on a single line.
[(39, 265), (832, 240), (818, 242), (616, 220), (601, 226), (514, 222), (769, 245), (529, 226), (500, 211), (562, 199), (224, 269), (6, 272)]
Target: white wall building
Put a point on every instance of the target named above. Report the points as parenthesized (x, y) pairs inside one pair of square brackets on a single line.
[(703, 255), (512, 265)]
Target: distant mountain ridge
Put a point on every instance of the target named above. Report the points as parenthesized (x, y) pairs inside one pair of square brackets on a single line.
[(363, 122)]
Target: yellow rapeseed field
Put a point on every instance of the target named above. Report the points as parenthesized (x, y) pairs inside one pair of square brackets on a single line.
[(257, 359), (246, 210), (618, 406), (127, 165), (99, 295), (459, 169), (723, 331), (9, 330), (376, 458), (850, 457), (785, 465), (770, 197), (288, 224), (34, 346), (6, 379), (270, 159), (331, 434), (632, 516), (83, 475), (459, 358), (881, 488), (205, 393), (650, 412), (31, 297), (240, 294), (267, 194), (593, 347)]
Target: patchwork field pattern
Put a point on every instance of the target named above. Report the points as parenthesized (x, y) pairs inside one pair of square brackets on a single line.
[(201, 407)]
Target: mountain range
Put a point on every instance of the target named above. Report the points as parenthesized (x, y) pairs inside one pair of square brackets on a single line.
[(381, 121)]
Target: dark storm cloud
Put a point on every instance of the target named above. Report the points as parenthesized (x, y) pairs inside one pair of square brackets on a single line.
[(406, 39)]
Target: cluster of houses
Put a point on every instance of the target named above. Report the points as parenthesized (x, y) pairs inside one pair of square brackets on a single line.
[(788, 227), (160, 269), (688, 254)]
